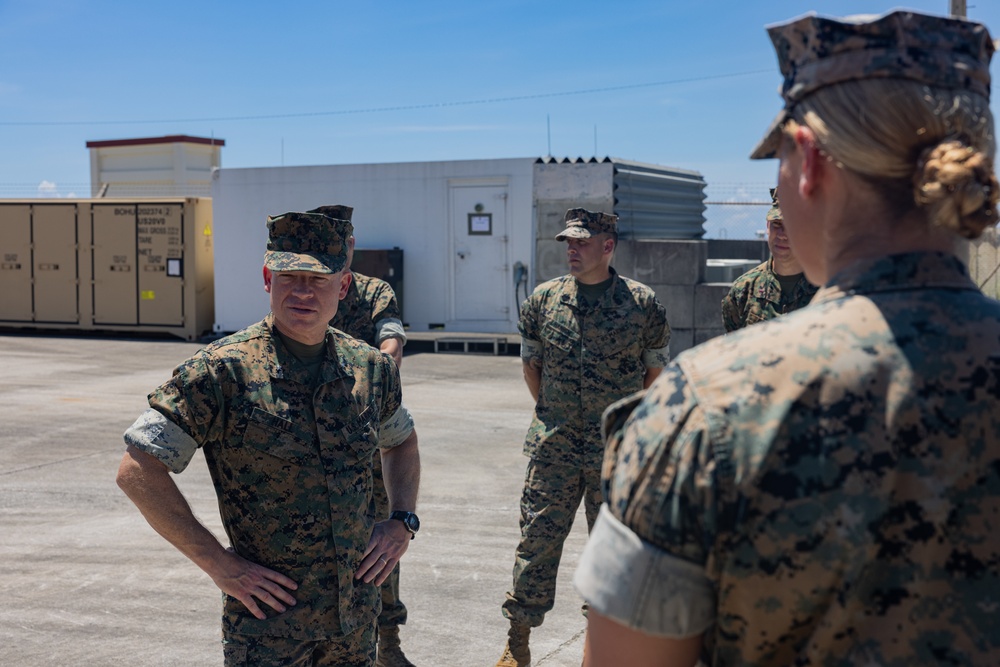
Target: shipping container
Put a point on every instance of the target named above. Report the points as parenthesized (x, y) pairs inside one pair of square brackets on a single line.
[(108, 265)]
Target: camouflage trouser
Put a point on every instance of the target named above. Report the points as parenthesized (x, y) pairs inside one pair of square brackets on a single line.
[(551, 496), (354, 650), (393, 609)]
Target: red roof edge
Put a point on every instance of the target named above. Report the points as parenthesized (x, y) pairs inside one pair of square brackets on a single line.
[(169, 139)]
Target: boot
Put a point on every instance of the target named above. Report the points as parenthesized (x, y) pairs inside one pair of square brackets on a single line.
[(390, 654), (516, 653)]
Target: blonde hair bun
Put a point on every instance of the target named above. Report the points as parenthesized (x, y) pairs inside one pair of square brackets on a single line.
[(956, 185)]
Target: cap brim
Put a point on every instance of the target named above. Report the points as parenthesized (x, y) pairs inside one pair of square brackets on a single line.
[(573, 233), (768, 147), (294, 261)]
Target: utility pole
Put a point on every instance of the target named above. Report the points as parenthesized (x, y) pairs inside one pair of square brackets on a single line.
[(958, 8)]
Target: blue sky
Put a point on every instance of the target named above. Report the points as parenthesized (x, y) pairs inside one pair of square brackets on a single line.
[(691, 84)]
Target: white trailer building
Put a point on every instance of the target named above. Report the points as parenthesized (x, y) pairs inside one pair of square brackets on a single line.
[(467, 229)]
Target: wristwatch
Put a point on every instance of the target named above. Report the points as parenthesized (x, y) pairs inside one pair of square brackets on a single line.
[(409, 520)]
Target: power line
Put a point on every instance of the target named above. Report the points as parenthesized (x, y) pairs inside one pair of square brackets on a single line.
[(405, 107)]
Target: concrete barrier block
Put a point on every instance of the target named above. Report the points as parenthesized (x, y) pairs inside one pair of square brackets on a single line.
[(708, 304), (680, 340), (702, 335), (738, 249), (679, 303), (624, 259), (550, 260), (670, 262)]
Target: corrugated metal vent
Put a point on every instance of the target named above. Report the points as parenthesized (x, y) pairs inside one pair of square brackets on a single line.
[(654, 202), (572, 160)]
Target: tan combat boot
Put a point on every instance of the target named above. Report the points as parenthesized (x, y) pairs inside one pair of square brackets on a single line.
[(390, 654), (516, 653)]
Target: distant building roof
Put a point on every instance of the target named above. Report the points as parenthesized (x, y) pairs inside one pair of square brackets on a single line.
[(169, 139)]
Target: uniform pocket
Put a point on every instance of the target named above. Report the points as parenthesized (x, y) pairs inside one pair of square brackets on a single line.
[(361, 433), (234, 655), (559, 335), (273, 435)]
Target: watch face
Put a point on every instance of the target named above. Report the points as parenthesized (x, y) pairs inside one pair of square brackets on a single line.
[(409, 520)]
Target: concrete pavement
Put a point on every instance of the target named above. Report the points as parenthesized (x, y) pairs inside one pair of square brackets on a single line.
[(85, 581)]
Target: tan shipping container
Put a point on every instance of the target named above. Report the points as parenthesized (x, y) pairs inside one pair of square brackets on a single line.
[(108, 265)]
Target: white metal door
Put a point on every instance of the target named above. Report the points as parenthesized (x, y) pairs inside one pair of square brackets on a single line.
[(479, 246)]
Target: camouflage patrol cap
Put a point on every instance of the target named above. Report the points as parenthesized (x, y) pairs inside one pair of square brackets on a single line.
[(582, 224), (814, 52), (306, 242), (774, 213), (335, 211)]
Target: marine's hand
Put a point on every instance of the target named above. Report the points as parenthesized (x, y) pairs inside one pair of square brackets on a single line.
[(249, 582), (388, 543)]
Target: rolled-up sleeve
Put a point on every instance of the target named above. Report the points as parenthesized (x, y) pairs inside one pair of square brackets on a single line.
[(645, 562), (390, 328), (527, 326), (395, 430), (530, 349), (640, 586), (656, 357), (395, 421), (161, 438), (183, 414), (656, 336)]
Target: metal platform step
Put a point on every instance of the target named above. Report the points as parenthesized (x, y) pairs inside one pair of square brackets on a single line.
[(469, 345)]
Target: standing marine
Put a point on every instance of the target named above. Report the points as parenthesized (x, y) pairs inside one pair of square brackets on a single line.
[(288, 414), (824, 488), (588, 339), (776, 287)]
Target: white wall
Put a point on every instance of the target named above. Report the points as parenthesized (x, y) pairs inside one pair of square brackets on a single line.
[(403, 205), (155, 169)]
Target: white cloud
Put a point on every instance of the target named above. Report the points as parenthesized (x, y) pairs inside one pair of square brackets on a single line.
[(48, 189)]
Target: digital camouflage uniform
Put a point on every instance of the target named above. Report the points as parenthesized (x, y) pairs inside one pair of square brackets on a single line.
[(823, 488), (832, 500), (756, 296), (591, 357), (291, 465), (290, 458), (370, 302), (356, 650)]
